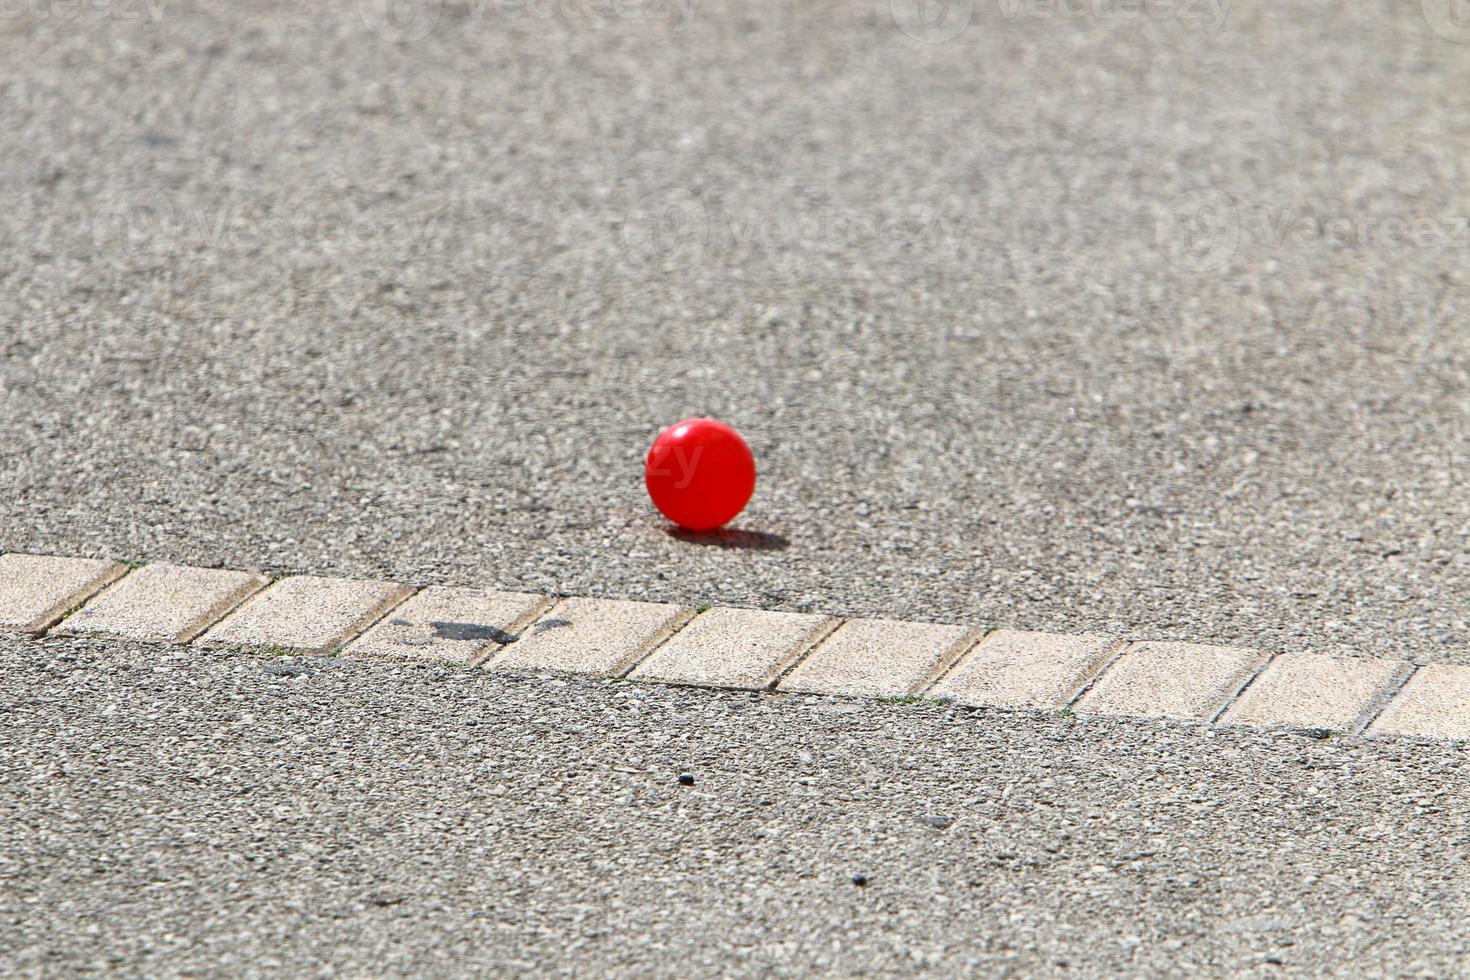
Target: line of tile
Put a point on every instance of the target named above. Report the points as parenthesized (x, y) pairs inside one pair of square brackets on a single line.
[(1387, 699), (757, 639), (1215, 718)]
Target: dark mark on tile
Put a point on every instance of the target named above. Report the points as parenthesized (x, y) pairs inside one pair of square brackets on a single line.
[(472, 631)]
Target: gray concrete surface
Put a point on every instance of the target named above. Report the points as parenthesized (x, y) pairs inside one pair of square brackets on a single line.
[(1302, 691), (278, 292), (440, 625), (1018, 669), (592, 636), (166, 811), (307, 613), (879, 658), (1178, 680), (163, 603), (38, 590), (740, 648), (1436, 698)]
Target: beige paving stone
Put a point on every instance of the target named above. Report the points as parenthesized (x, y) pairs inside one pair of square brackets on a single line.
[(1023, 669), (450, 625), (878, 658), (1435, 703), (37, 590), (1171, 680), (163, 603), (1305, 690), (601, 637), (734, 648), (307, 614)]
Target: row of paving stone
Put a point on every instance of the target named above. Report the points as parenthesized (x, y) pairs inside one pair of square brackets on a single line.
[(730, 648)]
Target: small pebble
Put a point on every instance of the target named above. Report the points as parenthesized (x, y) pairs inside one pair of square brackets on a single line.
[(685, 779), (860, 880)]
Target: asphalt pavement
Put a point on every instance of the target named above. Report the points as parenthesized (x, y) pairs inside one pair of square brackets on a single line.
[(1111, 321), (1147, 320), (187, 814)]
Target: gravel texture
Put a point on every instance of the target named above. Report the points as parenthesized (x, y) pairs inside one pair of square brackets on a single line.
[(165, 812), (1147, 323)]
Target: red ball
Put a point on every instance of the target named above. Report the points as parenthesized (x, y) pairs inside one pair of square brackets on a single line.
[(700, 473)]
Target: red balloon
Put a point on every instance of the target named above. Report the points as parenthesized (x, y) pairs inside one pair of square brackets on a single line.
[(700, 473)]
